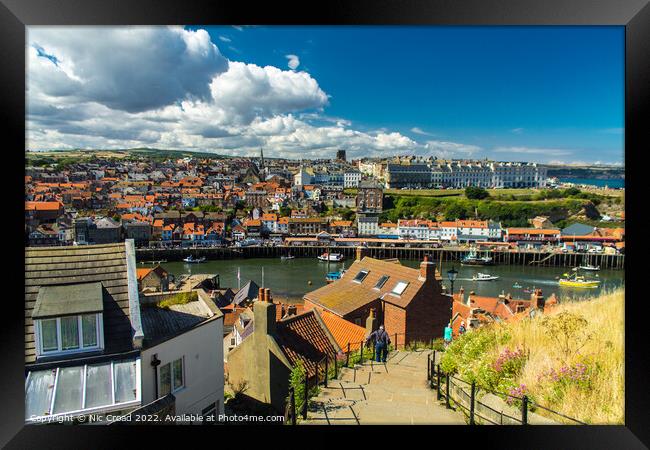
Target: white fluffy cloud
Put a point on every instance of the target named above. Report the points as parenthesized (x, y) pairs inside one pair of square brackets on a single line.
[(168, 87), (125, 68), (294, 61)]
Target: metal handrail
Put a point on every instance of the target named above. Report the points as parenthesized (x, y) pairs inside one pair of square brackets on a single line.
[(529, 403)]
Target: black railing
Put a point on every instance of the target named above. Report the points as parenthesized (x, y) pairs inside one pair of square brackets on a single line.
[(437, 377), (329, 367)]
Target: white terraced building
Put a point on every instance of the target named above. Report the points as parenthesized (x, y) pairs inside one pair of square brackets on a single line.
[(461, 174)]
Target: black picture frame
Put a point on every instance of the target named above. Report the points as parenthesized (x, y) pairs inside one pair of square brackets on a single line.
[(634, 15)]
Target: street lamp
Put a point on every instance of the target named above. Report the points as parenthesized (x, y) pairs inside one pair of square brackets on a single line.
[(452, 274)]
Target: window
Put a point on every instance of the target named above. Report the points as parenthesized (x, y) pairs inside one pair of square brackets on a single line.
[(360, 276), (171, 377), (73, 390), (399, 288), (381, 281), (68, 334)]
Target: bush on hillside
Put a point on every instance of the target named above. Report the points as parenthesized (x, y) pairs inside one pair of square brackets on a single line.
[(476, 193)]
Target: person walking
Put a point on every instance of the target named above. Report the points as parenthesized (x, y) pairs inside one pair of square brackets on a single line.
[(462, 329), (382, 341), (448, 335)]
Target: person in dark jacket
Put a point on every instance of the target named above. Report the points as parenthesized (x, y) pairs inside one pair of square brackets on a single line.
[(382, 341)]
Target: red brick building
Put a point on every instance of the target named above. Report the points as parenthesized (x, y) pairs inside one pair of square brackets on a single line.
[(407, 301)]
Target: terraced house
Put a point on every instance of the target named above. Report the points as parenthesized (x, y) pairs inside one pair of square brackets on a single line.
[(409, 302), (92, 346)]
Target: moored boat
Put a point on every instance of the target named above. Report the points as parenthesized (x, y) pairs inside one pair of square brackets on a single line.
[(333, 276), (590, 267), (284, 258), (472, 259), (331, 257)]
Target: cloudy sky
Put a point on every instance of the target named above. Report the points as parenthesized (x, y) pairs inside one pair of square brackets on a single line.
[(547, 94)]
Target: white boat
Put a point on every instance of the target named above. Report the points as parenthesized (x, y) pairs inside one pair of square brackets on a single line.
[(331, 257), (192, 260), (484, 277), (590, 267), (284, 258)]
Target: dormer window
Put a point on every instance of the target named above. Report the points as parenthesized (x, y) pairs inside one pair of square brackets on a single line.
[(68, 319), (361, 276)]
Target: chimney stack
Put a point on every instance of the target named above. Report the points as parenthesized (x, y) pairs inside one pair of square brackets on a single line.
[(427, 269), (264, 313), (371, 322), (260, 294)]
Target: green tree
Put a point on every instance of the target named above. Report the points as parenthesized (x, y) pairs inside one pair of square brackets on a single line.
[(476, 193)]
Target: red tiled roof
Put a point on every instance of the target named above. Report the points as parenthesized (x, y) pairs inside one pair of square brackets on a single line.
[(305, 338), (344, 332), (43, 206)]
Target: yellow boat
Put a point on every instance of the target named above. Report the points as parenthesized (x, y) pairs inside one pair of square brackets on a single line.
[(578, 281)]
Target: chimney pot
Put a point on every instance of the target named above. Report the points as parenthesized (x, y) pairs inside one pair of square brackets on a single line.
[(260, 294)]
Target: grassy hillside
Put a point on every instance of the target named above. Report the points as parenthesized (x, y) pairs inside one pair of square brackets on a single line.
[(570, 360), (510, 213)]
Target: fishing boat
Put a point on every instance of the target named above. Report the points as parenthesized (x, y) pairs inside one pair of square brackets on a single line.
[(331, 257), (578, 281), (285, 258), (590, 267), (484, 277), (472, 259), (333, 276), (192, 260), (517, 286)]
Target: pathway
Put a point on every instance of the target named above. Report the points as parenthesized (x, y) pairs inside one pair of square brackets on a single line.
[(373, 393)]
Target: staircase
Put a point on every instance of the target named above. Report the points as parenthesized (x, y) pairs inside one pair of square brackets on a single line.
[(375, 393)]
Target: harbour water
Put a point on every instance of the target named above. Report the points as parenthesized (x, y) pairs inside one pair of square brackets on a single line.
[(613, 183), (293, 278)]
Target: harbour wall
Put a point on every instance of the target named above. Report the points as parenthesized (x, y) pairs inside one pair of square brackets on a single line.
[(523, 258)]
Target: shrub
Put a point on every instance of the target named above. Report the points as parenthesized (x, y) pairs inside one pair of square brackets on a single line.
[(569, 330), (297, 382), (476, 193)]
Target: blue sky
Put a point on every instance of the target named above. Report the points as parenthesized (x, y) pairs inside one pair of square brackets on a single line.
[(548, 94)]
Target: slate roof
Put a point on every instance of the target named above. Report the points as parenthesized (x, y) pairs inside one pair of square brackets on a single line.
[(304, 337), (577, 229), (160, 324), (69, 299), (248, 292), (46, 266), (345, 295)]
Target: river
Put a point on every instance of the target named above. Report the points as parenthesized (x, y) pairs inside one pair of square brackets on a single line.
[(292, 279)]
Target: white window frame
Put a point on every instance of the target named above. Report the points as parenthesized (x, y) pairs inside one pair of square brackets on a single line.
[(171, 375), (99, 329)]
